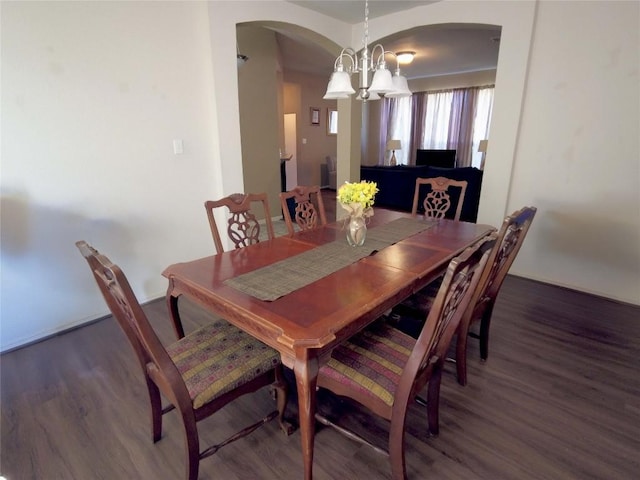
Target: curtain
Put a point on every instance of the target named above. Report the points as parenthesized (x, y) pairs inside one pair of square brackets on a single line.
[(400, 128), (418, 113), (436, 124), (460, 136), (395, 123), (385, 116)]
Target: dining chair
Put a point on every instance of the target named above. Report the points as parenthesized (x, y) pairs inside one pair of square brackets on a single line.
[(309, 208), (410, 314), (384, 369), (200, 373), (243, 228), (510, 238), (439, 200)]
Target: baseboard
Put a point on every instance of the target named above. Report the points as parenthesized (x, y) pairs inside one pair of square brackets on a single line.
[(573, 288), (69, 327)]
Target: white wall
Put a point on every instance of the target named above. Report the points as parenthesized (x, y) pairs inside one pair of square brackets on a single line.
[(578, 155), (93, 93)]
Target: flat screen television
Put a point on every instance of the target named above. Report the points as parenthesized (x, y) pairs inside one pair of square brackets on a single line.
[(436, 158)]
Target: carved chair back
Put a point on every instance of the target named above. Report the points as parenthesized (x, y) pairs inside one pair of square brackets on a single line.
[(95, 265), (509, 241), (438, 201), (243, 228), (309, 208), (457, 291)]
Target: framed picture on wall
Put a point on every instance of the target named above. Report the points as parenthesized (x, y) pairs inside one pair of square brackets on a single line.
[(315, 116)]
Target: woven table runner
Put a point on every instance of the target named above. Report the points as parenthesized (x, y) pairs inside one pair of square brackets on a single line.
[(278, 279)]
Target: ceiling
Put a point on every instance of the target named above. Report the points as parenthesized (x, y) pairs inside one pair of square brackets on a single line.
[(440, 49), (352, 11)]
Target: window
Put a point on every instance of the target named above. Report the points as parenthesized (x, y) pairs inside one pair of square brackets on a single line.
[(481, 123), (400, 129), (435, 131), (453, 119)]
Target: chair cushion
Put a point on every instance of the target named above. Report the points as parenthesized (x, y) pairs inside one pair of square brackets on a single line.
[(372, 361), (219, 357)]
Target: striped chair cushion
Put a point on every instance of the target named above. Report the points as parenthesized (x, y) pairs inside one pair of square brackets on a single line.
[(372, 361), (218, 358)]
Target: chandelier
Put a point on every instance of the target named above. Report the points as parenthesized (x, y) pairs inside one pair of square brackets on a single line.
[(382, 83)]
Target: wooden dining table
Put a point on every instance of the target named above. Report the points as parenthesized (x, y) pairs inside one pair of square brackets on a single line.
[(307, 323)]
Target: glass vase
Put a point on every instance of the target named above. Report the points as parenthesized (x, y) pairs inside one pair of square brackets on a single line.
[(356, 231)]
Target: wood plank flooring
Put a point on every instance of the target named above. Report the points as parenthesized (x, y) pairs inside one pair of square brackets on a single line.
[(559, 398)]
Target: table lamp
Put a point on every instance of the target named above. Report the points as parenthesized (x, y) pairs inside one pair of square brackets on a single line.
[(393, 145), (482, 148)]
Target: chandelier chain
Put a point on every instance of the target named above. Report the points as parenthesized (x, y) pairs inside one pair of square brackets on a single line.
[(365, 37)]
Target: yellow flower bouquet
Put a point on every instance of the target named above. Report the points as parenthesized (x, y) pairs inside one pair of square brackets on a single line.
[(357, 198)]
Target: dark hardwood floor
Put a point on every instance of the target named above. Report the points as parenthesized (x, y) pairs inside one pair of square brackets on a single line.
[(559, 398)]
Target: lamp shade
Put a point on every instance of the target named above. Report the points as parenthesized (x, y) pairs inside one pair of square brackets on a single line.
[(393, 145), (339, 86), (381, 82), (335, 96), (400, 87)]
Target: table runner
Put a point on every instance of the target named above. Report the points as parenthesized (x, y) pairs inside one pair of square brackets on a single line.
[(278, 279)]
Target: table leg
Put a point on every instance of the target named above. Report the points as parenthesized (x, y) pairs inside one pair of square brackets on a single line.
[(306, 372), (172, 306)]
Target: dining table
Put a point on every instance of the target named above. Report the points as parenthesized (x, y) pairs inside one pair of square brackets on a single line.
[(304, 294)]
